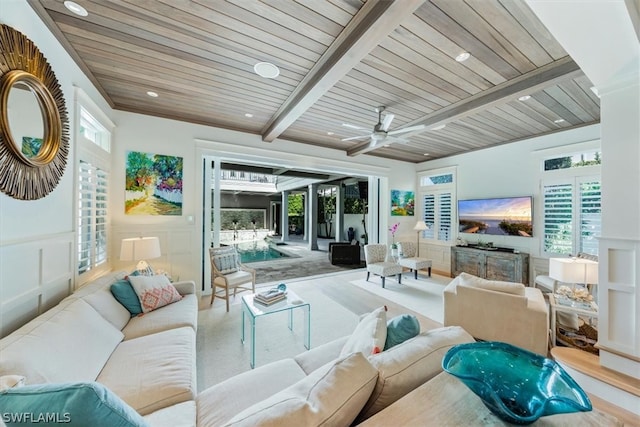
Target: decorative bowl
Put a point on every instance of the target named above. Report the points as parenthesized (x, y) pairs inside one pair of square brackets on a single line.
[(516, 385)]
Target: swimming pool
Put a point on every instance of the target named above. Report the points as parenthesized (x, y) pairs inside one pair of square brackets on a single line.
[(258, 250)]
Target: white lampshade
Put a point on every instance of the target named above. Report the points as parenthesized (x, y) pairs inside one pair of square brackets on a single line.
[(420, 226), (573, 270), (139, 249)]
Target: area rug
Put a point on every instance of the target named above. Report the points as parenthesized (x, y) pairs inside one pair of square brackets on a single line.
[(423, 295), (221, 354)]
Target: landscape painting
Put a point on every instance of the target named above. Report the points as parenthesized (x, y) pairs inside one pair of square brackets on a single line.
[(153, 184), (402, 203)]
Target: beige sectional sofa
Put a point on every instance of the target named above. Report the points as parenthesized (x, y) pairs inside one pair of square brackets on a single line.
[(149, 362)]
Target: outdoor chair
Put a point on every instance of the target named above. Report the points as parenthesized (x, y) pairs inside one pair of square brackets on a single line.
[(227, 272), (375, 256), (409, 259)]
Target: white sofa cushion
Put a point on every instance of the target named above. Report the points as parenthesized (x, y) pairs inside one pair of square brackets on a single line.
[(408, 365), (369, 335), (180, 415), (176, 315), (492, 285), (221, 402), (153, 371), (73, 344), (330, 396), (98, 294)]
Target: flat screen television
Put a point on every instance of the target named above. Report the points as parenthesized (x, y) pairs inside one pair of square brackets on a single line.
[(506, 216)]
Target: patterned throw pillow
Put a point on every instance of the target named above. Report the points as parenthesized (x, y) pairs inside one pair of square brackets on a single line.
[(154, 291), (225, 260)]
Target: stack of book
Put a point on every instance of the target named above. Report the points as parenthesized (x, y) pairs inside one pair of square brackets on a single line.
[(271, 296)]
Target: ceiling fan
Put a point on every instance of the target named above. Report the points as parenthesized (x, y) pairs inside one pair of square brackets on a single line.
[(381, 131)]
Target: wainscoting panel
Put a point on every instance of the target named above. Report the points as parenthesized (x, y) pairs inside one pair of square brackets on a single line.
[(34, 276), (440, 255), (619, 303)]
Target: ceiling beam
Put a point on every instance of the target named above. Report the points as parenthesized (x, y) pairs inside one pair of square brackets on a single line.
[(525, 84), (375, 20)]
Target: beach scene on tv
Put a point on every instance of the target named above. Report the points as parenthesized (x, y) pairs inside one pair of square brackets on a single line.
[(502, 217)]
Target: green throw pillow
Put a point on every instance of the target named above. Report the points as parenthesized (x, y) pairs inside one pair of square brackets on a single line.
[(400, 329), (126, 295), (70, 404)]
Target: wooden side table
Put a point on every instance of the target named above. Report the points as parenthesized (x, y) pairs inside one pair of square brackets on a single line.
[(445, 401), (555, 306)]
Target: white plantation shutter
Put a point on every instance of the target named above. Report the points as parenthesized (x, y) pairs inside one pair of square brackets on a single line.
[(590, 216), (92, 216), (437, 214), (572, 216), (444, 223), (558, 217), (429, 215)]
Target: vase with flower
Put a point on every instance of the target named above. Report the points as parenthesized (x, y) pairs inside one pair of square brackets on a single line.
[(394, 246)]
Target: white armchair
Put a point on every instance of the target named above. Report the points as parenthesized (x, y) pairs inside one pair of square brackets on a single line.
[(410, 259), (498, 311), (375, 255), (227, 272)]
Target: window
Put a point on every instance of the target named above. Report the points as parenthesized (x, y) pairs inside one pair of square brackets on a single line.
[(572, 214), (92, 217), (589, 158), (93, 131), (93, 137), (437, 192)]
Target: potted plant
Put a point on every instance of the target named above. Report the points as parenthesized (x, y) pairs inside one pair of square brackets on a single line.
[(394, 246)]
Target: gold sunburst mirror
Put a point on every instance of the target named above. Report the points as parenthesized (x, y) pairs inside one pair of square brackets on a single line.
[(34, 129)]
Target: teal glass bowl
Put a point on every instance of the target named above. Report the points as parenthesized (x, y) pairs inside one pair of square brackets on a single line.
[(516, 385)]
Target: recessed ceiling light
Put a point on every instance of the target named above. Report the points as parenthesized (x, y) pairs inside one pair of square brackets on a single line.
[(152, 94), (387, 145), (329, 133), (425, 154), (266, 70), (558, 121), (442, 126), (524, 98), (248, 115), (463, 56), (76, 8)]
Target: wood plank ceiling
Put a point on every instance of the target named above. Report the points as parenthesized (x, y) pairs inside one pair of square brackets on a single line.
[(338, 61)]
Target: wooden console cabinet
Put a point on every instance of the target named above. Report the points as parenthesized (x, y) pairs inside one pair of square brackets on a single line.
[(490, 264)]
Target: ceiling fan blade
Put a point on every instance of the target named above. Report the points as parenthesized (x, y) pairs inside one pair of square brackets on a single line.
[(355, 137), (396, 140), (350, 126), (386, 122), (409, 129)]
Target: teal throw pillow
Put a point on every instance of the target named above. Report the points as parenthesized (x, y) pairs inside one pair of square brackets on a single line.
[(71, 404), (400, 329), (127, 296)]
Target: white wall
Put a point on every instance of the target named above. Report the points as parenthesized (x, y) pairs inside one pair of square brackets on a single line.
[(37, 238), (505, 171)]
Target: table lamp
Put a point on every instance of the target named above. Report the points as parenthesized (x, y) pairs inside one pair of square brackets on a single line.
[(140, 249), (573, 270), (420, 226)]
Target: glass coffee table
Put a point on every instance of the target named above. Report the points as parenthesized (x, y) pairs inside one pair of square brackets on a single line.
[(255, 310)]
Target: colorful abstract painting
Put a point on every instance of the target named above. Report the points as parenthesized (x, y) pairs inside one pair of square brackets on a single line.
[(402, 203), (153, 184)]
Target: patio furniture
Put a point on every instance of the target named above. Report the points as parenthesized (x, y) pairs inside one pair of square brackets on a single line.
[(227, 272), (409, 259), (375, 256), (344, 253)]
